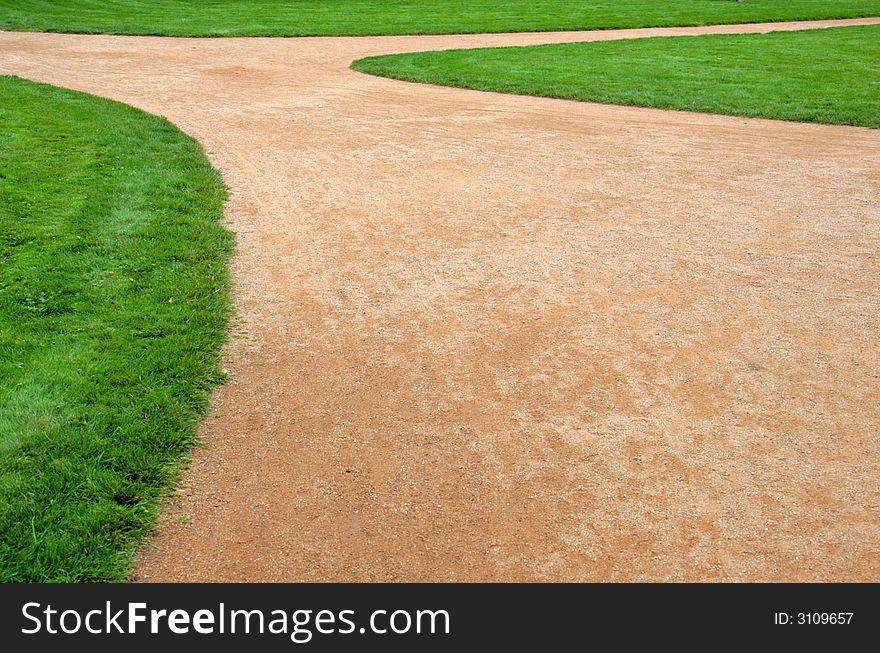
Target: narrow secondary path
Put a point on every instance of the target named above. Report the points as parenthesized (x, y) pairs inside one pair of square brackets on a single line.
[(491, 337)]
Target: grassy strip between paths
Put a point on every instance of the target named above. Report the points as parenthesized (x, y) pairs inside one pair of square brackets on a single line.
[(826, 76), (113, 308), (366, 17)]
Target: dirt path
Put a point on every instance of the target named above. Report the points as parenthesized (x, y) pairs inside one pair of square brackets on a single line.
[(488, 337)]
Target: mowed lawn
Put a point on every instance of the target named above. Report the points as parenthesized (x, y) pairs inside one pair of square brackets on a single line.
[(365, 17), (825, 76), (113, 308)]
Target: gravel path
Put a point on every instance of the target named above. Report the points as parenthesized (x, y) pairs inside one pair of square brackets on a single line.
[(490, 337)]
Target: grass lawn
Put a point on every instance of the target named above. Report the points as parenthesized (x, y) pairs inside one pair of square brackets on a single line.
[(826, 75), (363, 17), (113, 308)]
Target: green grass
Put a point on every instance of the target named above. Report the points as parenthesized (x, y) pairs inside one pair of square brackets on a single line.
[(826, 76), (113, 308), (364, 17)]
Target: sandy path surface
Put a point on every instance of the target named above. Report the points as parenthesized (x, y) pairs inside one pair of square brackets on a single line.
[(489, 337)]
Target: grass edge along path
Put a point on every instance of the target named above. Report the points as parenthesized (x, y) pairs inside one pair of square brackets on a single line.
[(385, 17), (751, 75), (114, 303)]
